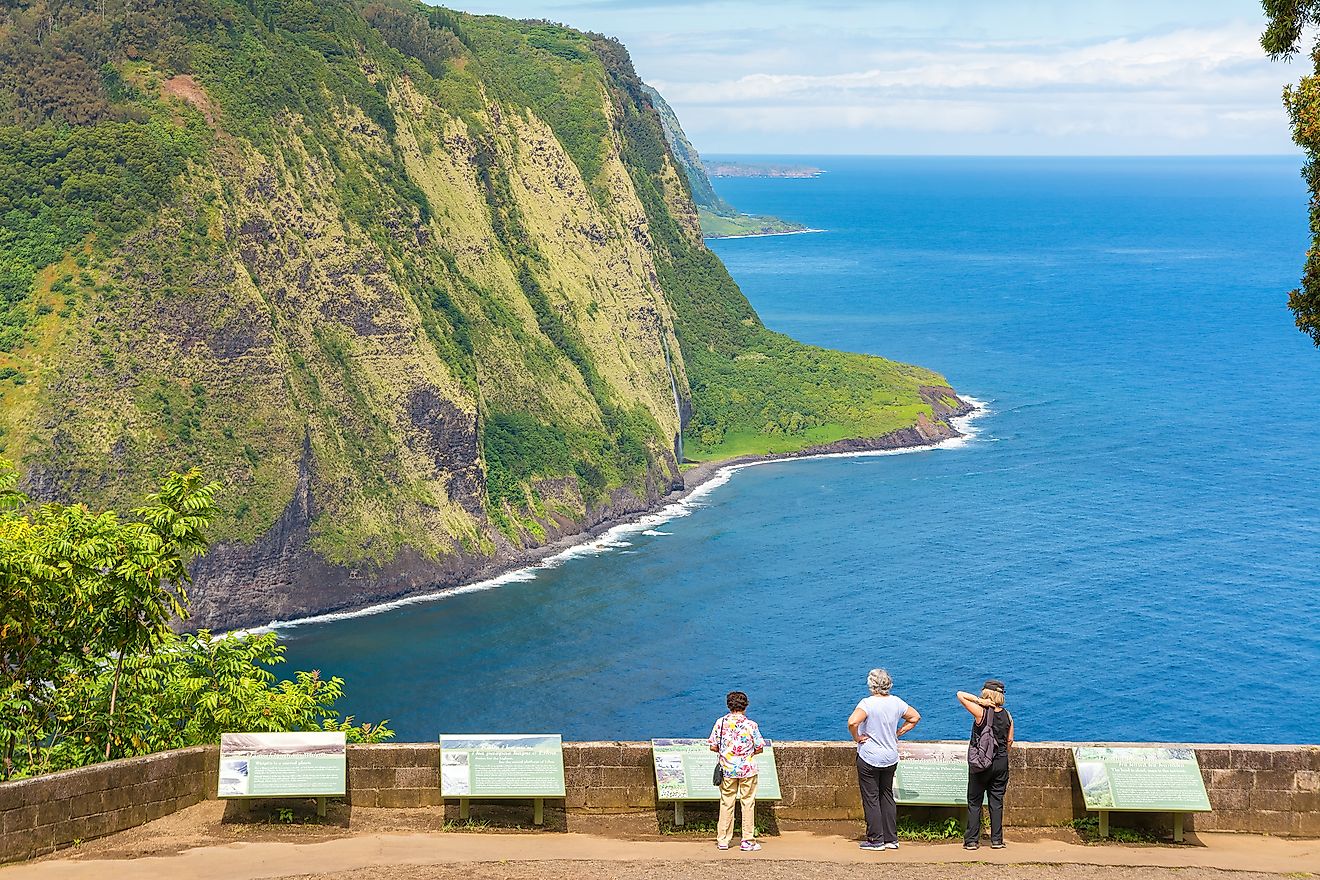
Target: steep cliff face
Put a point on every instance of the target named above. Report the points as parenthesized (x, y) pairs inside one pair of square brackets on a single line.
[(424, 290), (718, 218)]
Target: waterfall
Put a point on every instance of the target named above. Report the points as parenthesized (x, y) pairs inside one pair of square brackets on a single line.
[(673, 386)]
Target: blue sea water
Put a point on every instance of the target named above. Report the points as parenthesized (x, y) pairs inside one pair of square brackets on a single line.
[(1131, 540)]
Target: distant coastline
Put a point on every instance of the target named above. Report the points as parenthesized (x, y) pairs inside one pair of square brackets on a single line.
[(766, 234), (716, 168), (698, 481)]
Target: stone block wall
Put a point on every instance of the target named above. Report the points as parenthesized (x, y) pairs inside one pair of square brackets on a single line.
[(394, 775), (41, 815), (1257, 789)]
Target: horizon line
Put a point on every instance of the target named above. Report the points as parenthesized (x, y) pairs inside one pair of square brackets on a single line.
[(1297, 155)]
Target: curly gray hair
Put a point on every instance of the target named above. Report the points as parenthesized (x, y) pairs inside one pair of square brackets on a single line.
[(879, 682)]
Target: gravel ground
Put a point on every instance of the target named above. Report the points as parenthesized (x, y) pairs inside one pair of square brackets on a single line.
[(771, 871)]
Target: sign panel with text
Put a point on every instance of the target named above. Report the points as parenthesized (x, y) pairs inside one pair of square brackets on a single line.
[(931, 773), (501, 765), (282, 765), (1155, 780), (684, 769)]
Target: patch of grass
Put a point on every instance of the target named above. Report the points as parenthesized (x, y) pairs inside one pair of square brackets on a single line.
[(466, 825), (1089, 828), (949, 828), (740, 443), (707, 827), (719, 226)]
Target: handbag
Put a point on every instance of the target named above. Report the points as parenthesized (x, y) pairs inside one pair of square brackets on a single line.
[(718, 776)]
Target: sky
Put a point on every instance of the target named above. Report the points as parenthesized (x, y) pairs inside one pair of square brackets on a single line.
[(963, 77)]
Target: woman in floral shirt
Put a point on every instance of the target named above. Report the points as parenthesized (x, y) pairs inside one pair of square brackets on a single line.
[(737, 740)]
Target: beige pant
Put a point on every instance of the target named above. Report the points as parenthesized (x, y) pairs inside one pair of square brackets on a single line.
[(743, 790)]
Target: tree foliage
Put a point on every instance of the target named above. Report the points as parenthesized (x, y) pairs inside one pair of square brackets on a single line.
[(89, 667), (1288, 23)]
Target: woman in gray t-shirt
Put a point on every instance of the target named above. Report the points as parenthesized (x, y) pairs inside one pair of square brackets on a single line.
[(875, 725)]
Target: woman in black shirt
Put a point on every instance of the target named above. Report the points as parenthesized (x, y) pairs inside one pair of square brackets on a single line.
[(992, 782)]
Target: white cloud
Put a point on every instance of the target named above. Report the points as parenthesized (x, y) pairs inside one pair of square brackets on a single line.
[(1201, 61), (1204, 89)]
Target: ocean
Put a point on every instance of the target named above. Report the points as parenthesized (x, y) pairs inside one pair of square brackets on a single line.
[(1129, 537)]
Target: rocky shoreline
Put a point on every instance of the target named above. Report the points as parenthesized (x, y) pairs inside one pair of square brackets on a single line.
[(219, 602)]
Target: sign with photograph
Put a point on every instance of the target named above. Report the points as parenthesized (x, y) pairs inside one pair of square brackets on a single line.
[(931, 773), (1155, 780), (282, 765), (501, 765), (684, 767)]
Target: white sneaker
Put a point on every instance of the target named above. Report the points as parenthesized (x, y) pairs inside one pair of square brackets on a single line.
[(749, 846), (891, 845)]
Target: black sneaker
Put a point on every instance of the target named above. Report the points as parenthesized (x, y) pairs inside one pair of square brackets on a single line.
[(999, 845), (971, 844)]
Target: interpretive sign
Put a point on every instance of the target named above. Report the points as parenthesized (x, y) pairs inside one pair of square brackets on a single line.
[(501, 766), (1151, 780), (684, 767), (933, 774), (256, 765)]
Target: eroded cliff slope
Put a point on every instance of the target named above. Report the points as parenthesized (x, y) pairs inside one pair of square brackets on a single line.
[(423, 289)]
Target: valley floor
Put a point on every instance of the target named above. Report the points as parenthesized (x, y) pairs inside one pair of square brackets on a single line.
[(218, 841)]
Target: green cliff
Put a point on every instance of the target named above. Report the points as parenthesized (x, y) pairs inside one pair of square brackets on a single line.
[(718, 218), (424, 290)]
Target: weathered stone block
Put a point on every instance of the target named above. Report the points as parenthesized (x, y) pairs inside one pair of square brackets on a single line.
[(1214, 759), (21, 819), (52, 812), (1275, 780), (1228, 798), (1305, 802), (400, 797), (1246, 758), (601, 754), (158, 809), (371, 777), (18, 794), (96, 826), (417, 777), (28, 843), (1306, 824), (1264, 799), (71, 783), (1241, 780), (87, 804), (626, 776), (364, 797)]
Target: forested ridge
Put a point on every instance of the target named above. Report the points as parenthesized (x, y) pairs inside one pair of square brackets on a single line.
[(417, 287)]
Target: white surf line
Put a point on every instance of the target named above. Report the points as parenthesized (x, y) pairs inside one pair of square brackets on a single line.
[(613, 538)]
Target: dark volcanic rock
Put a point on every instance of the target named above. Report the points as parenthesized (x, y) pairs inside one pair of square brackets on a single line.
[(280, 578)]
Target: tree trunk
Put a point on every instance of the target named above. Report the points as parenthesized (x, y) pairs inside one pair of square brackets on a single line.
[(114, 693)]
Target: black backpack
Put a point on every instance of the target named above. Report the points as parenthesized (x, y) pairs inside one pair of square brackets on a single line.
[(981, 750)]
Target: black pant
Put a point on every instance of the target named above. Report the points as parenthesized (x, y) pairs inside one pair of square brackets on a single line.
[(991, 784), (877, 785)]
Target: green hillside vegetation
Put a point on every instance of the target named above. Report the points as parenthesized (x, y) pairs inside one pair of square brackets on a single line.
[(438, 273), (91, 669), (719, 226)]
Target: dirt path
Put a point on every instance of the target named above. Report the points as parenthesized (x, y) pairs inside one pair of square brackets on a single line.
[(212, 841), (771, 871)]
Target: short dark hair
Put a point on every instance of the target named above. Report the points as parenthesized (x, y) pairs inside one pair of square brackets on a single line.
[(736, 701)]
